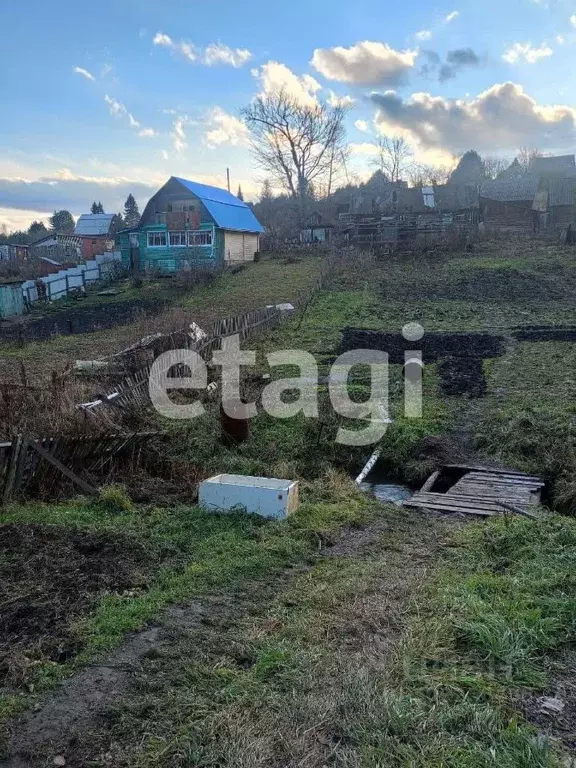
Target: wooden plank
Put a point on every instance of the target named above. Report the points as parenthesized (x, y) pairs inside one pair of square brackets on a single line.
[(11, 475), (461, 501), (438, 507), (64, 470), (466, 501), (430, 482)]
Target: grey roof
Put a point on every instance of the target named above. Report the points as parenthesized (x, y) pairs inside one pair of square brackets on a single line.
[(511, 190), (447, 198), (94, 224), (561, 165)]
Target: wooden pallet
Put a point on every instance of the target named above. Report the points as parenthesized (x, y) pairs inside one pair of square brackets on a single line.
[(480, 491)]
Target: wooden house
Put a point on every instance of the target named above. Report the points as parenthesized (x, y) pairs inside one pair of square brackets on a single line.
[(509, 203), (186, 225)]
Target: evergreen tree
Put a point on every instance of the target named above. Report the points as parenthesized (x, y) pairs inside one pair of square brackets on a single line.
[(62, 222), (37, 229), (97, 207), (131, 212), (117, 224), (239, 194)]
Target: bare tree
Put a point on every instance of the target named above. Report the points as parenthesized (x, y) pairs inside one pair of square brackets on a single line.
[(296, 144), (393, 156), (494, 166), (422, 175), (526, 155)]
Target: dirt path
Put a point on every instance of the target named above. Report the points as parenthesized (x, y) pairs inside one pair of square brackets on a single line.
[(77, 723)]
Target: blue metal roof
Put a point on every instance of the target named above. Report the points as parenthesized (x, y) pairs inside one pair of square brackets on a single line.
[(227, 210)]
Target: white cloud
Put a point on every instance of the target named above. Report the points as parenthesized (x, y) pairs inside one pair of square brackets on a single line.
[(362, 126), (504, 117), (117, 109), (339, 101), (527, 52), (451, 17), (182, 47), (275, 77), (573, 20), (560, 39), (424, 34), (365, 63), (179, 134), (225, 129), (365, 148), (217, 53), (84, 73), (165, 155)]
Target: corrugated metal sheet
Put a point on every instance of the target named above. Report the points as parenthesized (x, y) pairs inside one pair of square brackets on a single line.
[(93, 224), (228, 212)]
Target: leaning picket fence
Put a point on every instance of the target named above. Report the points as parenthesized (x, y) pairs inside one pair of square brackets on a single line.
[(43, 463)]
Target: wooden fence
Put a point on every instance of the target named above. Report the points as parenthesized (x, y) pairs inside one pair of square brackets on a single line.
[(133, 390), (27, 462)]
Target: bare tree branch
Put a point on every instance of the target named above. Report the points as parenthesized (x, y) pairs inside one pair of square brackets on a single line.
[(296, 144)]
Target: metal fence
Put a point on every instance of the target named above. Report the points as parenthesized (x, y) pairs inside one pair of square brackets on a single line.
[(75, 279)]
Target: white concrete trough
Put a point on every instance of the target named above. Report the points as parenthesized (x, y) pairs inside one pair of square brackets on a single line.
[(264, 496)]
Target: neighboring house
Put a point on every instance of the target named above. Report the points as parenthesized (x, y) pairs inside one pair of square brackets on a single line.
[(560, 167), (94, 231), (187, 224), (410, 218), (508, 203), (316, 229), (59, 246), (14, 253)]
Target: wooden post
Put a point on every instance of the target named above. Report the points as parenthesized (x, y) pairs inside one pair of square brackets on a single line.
[(11, 472)]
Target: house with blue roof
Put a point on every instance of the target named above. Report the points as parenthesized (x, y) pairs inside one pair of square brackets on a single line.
[(187, 224)]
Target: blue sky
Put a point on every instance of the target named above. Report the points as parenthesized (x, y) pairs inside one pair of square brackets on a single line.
[(103, 99)]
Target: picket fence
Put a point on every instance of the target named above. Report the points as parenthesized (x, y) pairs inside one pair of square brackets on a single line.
[(59, 284)]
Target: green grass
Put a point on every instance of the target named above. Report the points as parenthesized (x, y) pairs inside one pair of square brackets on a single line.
[(308, 677), (191, 553)]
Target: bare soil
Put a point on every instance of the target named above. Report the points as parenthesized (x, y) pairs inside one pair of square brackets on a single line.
[(49, 576)]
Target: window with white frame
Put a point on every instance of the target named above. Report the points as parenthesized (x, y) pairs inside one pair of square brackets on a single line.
[(178, 239), (156, 239), (200, 237)]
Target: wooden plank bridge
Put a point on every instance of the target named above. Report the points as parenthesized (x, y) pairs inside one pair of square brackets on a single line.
[(479, 491)]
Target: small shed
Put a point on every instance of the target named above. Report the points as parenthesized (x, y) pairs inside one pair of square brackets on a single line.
[(94, 231), (316, 230), (509, 203), (11, 298)]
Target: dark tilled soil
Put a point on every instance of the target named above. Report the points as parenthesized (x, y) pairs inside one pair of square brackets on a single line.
[(433, 346), (77, 319), (462, 376), (49, 576)]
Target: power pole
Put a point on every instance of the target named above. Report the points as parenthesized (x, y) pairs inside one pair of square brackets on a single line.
[(228, 177)]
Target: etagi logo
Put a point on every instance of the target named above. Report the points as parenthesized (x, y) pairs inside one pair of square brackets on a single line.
[(372, 415)]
